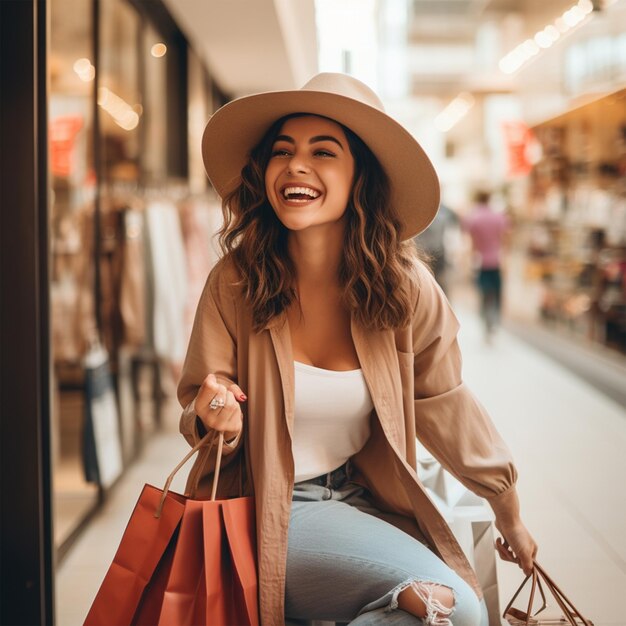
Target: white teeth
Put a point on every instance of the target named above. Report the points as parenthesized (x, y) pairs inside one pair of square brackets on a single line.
[(288, 191)]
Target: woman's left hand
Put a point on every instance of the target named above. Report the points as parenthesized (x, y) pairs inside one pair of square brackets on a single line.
[(517, 545)]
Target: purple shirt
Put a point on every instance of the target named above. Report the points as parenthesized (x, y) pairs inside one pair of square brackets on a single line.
[(487, 230)]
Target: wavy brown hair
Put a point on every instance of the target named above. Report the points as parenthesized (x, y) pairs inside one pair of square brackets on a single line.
[(375, 264)]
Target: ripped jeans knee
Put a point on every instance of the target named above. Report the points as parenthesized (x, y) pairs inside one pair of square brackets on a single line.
[(437, 613), (463, 609)]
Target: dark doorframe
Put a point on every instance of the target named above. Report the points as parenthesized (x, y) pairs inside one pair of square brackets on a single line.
[(26, 552)]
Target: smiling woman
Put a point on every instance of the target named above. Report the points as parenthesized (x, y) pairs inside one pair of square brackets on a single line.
[(309, 174), (322, 313), (354, 210)]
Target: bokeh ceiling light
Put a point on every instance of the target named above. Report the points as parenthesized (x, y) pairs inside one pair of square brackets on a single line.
[(158, 50), (124, 115), (454, 112), (84, 69), (545, 38)]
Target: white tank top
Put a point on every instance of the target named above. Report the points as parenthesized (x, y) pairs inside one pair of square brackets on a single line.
[(332, 418)]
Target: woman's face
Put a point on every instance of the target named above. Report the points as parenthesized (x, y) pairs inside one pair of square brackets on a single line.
[(309, 176)]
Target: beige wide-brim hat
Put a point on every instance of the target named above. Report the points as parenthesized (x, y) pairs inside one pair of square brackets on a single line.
[(238, 126)]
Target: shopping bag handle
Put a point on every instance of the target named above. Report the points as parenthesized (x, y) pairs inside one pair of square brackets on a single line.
[(208, 439), (528, 615), (570, 612)]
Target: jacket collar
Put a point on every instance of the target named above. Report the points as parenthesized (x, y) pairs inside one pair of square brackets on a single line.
[(378, 357), (281, 340)]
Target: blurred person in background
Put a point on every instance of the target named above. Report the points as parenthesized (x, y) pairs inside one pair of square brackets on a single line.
[(433, 242), (321, 310), (488, 231)]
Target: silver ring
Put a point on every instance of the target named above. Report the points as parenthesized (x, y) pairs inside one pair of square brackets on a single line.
[(216, 403)]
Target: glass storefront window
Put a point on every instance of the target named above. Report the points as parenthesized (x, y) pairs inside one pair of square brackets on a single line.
[(154, 53), (115, 117), (119, 99), (132, 97), (73, 182)]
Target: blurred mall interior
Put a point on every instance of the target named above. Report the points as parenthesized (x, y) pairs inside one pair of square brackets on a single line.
[(107, 237)]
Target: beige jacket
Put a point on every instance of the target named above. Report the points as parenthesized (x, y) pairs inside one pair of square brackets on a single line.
[(414, 377)]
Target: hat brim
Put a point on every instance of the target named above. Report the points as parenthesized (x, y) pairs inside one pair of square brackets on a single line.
[(239, 125)]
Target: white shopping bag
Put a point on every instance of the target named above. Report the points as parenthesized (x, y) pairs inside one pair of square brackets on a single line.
[(471, 521)]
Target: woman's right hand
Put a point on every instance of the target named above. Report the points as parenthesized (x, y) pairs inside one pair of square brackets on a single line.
[(227, 418)]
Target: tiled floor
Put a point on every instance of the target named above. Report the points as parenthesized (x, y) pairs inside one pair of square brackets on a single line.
[(568, 441)]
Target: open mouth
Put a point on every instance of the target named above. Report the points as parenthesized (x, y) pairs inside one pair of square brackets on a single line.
[(300, 194)]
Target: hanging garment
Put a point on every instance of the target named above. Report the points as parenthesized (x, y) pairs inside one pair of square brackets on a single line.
[(169, 277)]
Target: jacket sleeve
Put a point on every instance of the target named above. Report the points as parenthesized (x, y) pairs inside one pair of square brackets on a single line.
[(449, 420), (212, 350)]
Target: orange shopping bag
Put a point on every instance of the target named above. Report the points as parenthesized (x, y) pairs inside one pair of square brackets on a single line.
[(183, 561)]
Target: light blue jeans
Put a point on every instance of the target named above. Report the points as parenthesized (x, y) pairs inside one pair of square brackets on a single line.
[(346, 564)]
